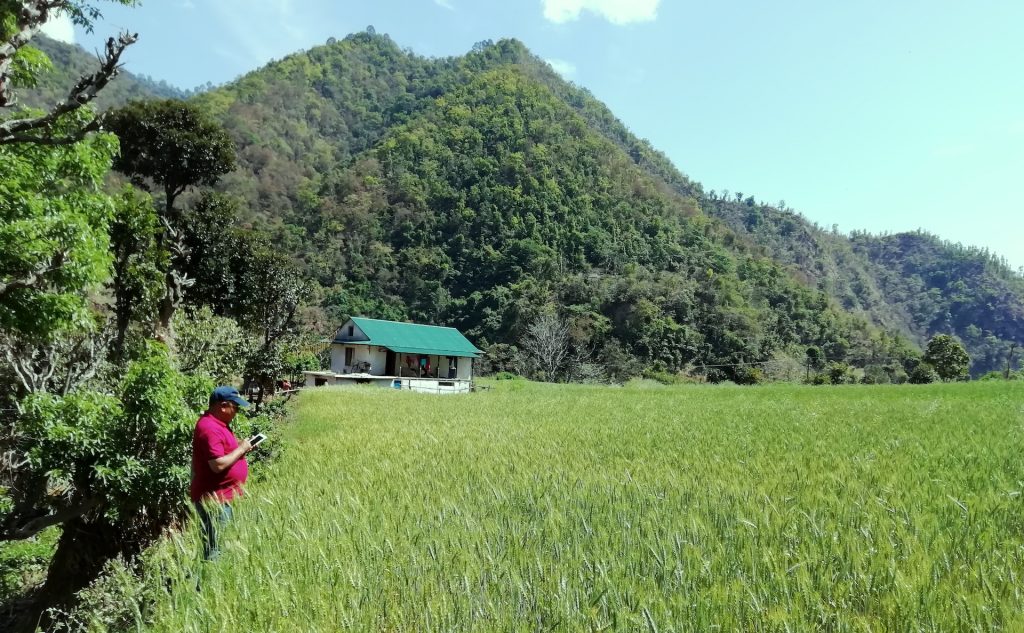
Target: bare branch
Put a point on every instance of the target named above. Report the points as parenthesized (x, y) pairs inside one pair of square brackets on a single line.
[(34, 278), (57, 367), (547, 341), (31, 17), (70, 139), (39, 524), (83, 92)]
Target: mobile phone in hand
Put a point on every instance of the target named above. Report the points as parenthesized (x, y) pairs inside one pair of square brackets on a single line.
[(255, 440)]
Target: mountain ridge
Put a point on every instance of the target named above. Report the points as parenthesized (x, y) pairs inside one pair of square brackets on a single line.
[(307, 125)]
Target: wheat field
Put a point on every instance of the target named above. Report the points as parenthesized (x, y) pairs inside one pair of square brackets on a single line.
[(534, 507)]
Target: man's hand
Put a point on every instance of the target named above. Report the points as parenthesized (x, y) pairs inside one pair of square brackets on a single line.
[(221, 464)]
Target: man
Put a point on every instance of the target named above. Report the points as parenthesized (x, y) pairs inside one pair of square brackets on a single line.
[(219, 468)]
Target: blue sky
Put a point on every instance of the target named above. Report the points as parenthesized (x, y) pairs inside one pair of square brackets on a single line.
[(881, 116)]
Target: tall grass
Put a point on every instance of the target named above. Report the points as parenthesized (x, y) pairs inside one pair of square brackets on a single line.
[(534, 507)]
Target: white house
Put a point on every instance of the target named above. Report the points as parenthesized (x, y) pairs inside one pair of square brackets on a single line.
[(423, 358)]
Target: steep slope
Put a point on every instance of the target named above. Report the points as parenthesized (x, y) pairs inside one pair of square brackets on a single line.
[(482, 233), (948, 288), (70, 62), (913, 283), (918, 293), (471, 191)]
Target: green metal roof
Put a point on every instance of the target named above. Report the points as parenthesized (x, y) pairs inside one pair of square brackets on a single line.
[(411, 338)]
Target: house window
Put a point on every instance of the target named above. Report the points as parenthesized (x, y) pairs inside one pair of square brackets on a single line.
[(351, 330)]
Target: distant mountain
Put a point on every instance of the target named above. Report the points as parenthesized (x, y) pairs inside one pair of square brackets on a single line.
[(914, 283), (71, 61), (476, 190)]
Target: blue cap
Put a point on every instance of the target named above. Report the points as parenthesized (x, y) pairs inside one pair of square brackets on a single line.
[(228, 394)]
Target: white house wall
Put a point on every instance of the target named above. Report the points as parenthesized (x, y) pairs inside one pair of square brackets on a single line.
[(465, 369), (360, 354), (357, 333), (378, 360), (337, 358)]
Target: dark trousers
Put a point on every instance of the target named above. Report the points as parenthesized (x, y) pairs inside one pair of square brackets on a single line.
[(212, 517)]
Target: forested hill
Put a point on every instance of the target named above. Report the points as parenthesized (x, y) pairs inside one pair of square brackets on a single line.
[(481, 190), (71, 61), (914, 282)]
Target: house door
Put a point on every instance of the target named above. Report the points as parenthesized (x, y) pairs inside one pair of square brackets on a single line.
[(389, 364), (349, 353)]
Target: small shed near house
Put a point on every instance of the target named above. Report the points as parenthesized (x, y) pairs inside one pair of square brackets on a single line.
[(425, 358)]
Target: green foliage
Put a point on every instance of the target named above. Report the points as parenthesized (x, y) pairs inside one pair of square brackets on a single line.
[(171, 143), (500, 358), (924, 374), (54, 227), (209, 345), (840, 374), (116, 601), (297, 360), (80, 445), (23, 563), (912, 283), (815, 359), (1002, 375), (137, 279), (947, 356)]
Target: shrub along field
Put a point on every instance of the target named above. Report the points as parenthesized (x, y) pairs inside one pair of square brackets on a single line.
[(572, 508)]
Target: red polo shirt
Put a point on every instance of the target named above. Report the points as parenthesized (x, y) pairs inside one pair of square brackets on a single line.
[(212, 439)]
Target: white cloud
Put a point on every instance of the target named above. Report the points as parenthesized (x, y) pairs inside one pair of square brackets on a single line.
[(562, 67), (447, 4), (60, 28), (615, 11)]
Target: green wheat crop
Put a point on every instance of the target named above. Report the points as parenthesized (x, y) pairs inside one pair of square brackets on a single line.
[(569, 508)]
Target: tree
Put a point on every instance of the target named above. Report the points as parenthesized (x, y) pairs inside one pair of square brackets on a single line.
[(208, 344), (98, 449), (172, 145), (547, 343), (815, 358), (947, 356), (137, 280), (275, 288), (54, 222), (20, 21), (923, 374), (117, 489)]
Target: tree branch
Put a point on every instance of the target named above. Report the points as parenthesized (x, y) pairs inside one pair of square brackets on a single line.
[(31, 17), (34, 278), (39, 129), (39, 524)]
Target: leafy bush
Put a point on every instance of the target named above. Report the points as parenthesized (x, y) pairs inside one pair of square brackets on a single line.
[(1001, 375), (818, 379), (507, 375), (209, 344), (924, 374), (841, 374), (747, 375), (23, 563)]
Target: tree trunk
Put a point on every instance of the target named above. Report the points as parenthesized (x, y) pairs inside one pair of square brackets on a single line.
[(84, 548)]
